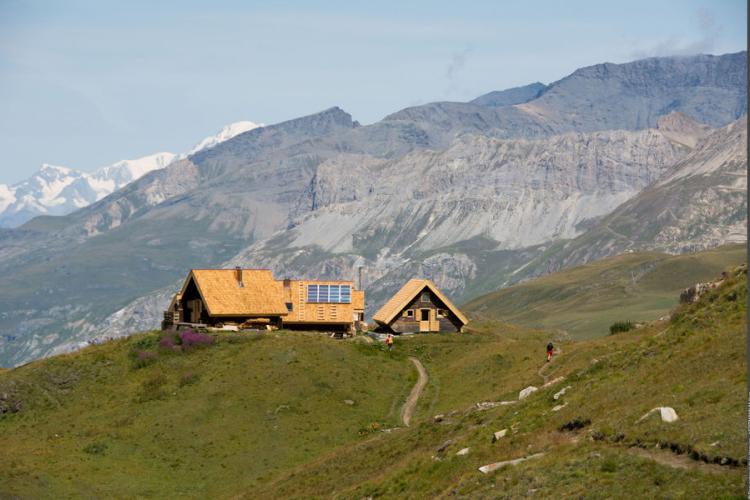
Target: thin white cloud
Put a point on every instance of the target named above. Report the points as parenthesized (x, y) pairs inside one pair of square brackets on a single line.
[(709, 31)]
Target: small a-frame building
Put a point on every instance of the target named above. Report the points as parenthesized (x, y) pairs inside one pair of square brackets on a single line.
[(420, 307)]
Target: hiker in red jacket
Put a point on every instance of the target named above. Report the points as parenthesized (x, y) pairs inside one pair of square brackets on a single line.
[(550, 350), (389, 342)]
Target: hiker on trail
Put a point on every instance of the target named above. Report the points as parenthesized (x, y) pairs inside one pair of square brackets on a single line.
[(389, 341), (550, 350)]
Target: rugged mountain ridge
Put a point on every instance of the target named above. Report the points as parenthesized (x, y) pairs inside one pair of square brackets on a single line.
[(699, 203), (465, 194), (464, 232), (56, 190)]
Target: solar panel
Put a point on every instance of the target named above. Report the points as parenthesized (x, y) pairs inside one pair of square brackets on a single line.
[(334, 294)]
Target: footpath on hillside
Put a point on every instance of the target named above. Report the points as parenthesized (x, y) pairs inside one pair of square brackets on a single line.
[(411, 402)]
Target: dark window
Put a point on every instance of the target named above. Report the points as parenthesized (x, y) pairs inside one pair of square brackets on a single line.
[(425, 297), (425, 315), (409, 313), (289, 306)]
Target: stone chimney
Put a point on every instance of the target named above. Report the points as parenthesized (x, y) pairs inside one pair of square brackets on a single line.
[(238, 276)]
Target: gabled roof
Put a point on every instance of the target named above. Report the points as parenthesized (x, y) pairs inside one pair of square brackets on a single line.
[(223, 296), (408, 292)]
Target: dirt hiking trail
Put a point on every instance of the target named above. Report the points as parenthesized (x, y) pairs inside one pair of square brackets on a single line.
[(411, 402)]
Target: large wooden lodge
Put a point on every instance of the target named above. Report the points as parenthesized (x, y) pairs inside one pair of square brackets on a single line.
[(253, 298)]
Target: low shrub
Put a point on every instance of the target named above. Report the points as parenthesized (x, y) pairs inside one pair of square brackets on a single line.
[(190, 339), (188, 378), (169, 342), (621, 326), (143, 358), (153, 388), (95, 448)]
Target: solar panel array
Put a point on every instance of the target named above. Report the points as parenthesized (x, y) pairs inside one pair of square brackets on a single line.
[(335, 294)]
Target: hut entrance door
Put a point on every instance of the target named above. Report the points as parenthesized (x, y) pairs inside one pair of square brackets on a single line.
[(424, 320)]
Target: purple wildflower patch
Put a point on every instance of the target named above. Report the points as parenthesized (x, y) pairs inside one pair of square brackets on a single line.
[(190, 339), (169, 342)]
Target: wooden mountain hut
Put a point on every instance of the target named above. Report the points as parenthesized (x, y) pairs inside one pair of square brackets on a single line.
[(217, 296), (420, 307), (252, 297)]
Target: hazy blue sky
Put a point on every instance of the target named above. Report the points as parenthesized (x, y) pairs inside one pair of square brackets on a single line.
[(83, 84)]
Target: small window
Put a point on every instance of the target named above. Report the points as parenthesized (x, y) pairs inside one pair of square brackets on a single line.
[(409, 313), (289, 306), (442, 313), (425, 297)]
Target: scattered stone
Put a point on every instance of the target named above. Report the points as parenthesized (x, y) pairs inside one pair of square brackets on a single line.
[(349, 402), (575, 424), (527, 392), (462, 452), (485, 469), (438, 418), (444, 446), (714, 444), (667, 414), (561, 393), (553, 382), (559, 407), (499, 434)]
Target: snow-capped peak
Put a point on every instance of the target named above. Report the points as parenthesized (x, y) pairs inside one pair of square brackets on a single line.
[(226, 133), (58, 190)]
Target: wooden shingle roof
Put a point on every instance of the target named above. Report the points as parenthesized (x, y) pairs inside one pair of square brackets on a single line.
[(408, 292), (223, 296)]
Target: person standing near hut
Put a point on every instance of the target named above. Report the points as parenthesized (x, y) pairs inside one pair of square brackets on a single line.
[(389, 342), (550, 351)]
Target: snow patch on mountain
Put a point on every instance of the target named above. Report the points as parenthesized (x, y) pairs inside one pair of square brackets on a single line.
[(58, 190), (226, 133)]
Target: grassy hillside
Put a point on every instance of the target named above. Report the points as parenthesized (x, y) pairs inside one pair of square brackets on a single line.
[(584, 301), (202, 424), (694, 364), (271, 416)]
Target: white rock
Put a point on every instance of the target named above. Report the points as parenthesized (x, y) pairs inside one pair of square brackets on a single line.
[(560, 393), (493, 467), (500, 434), (553, 381), (668, 414), (527, 392), (462, 452), (559, 407)]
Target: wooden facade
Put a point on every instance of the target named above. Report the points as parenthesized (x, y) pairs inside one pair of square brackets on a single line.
[(342, 311), (420, 307), (215, 297)]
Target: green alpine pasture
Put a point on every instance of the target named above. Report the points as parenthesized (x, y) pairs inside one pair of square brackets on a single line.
[(585, 301), (301, 415)]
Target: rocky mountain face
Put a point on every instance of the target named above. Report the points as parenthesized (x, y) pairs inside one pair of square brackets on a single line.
[(509, 97), (55, 190), (631, 96), (697, 204), (471, 195)]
